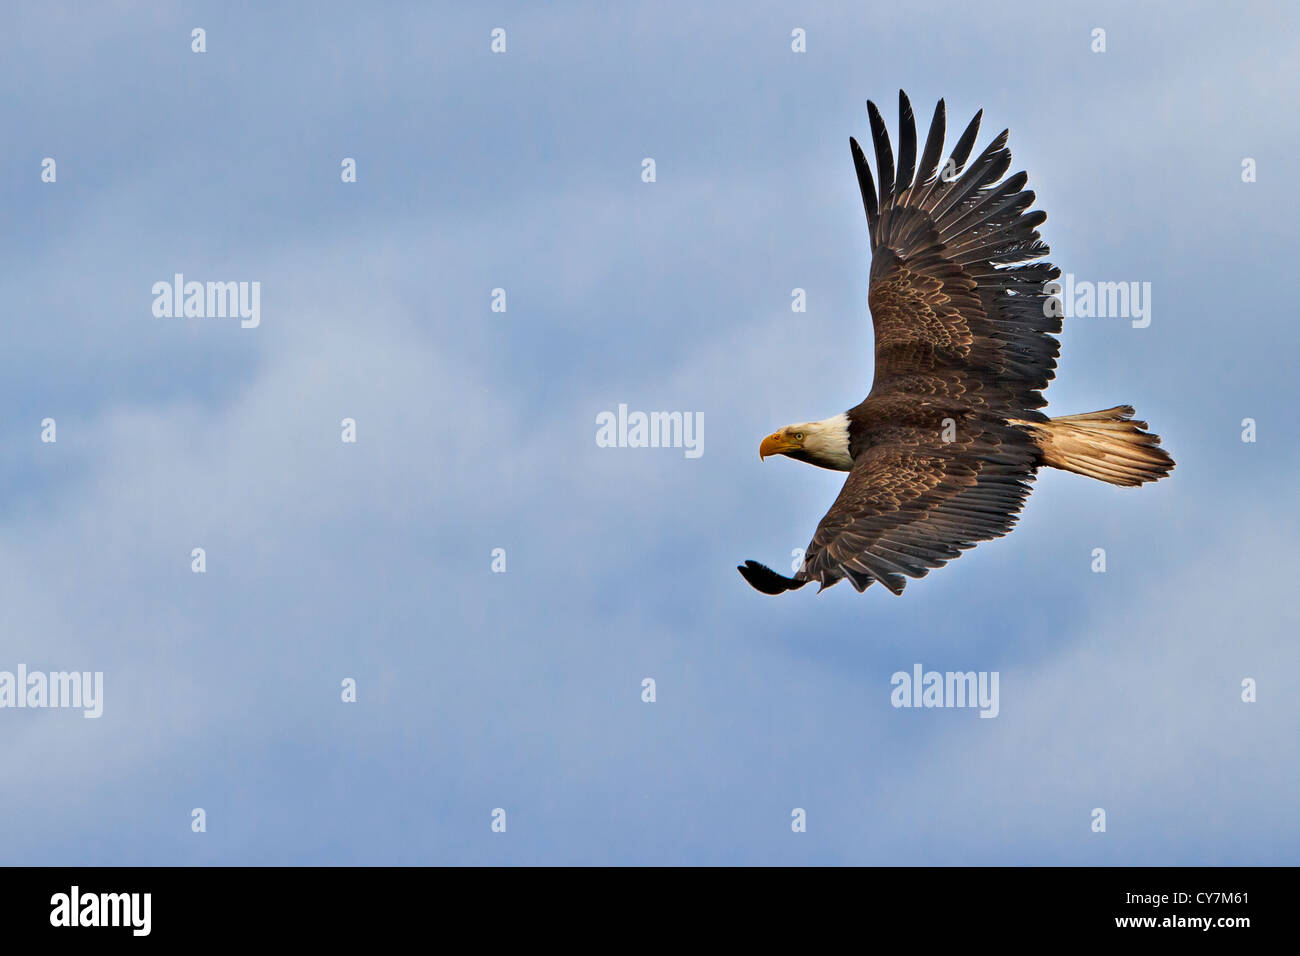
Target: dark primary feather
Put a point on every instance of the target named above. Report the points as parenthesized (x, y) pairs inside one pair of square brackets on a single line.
[(866, 186), (962, 345), (884, 157), (966, 142), (933, 146), (906, 144)]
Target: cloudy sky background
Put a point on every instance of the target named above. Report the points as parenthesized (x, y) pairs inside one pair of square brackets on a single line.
[(476, 430)]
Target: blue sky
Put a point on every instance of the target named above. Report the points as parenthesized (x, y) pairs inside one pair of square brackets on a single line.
[(476, 430)]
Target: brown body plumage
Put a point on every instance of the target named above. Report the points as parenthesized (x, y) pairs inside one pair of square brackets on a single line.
[(942, 451)]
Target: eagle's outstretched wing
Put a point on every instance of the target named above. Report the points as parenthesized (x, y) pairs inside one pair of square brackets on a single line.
[(963, 344), (918, 502), (952, 284), (912, 504)]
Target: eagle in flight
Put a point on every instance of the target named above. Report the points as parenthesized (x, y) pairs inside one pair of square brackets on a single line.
[(942, 452)]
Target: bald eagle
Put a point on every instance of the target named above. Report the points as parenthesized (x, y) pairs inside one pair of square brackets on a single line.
[(942, 452)]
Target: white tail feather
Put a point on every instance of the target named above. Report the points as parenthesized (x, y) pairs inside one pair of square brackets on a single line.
[(1107, 445)]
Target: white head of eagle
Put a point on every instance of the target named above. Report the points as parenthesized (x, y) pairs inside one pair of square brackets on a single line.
[(824, 443)]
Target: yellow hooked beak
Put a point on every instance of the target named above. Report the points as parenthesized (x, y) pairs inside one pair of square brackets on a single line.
[(777, 444)]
